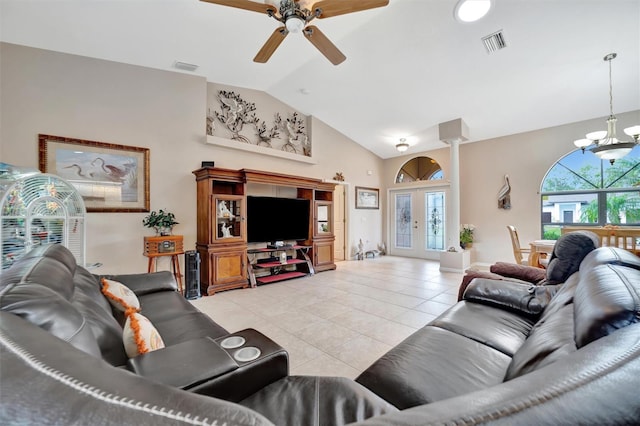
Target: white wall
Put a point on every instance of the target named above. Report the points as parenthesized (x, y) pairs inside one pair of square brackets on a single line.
[(66, 95)]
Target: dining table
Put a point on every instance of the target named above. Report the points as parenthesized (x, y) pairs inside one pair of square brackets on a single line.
[(540, 249)]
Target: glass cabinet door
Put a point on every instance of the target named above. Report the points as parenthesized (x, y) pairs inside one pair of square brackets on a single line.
[(229, 217), (324, 221)]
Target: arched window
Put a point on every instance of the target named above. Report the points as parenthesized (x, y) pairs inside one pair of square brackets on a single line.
[(419, 168), (582, 189)]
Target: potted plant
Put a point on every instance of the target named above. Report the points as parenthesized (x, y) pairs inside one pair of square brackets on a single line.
[(162, 222), (466, 235)]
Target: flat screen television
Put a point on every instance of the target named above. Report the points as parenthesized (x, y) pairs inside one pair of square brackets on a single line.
[(271, 219)]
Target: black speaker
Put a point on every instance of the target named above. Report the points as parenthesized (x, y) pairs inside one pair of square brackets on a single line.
[(208, 164), (192, 274)]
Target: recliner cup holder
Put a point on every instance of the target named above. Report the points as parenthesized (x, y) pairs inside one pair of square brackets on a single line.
[(246, 354), (233, 342)]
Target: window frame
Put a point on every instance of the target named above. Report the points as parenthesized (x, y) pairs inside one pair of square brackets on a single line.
[(600, 193)]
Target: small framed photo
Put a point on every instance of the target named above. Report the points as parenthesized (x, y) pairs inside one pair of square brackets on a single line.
[(367, 198), (109, 177)]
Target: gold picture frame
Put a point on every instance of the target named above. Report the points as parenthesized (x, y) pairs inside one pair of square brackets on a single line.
[(109, 177), (367, 198)]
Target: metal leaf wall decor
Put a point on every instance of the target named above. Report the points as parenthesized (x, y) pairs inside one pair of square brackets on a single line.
[(235, 113)]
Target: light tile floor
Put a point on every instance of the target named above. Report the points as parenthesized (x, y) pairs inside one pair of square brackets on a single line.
[(336, 323)]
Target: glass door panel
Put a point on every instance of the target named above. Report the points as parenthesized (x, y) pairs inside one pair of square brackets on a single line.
[(228, 217), (403, 221), (434, 206)]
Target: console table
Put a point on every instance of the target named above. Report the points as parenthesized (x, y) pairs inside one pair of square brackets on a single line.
[(170, 245), (278, 269)]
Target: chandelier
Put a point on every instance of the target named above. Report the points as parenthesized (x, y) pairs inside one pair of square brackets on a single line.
[(606, 144)]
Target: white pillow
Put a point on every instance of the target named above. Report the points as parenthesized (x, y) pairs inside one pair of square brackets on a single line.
[(120, 296), (139, 335)]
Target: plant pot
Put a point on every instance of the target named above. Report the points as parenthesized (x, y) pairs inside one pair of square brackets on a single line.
[(163, 231)]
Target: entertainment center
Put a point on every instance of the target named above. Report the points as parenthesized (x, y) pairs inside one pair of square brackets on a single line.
[(228, 219)]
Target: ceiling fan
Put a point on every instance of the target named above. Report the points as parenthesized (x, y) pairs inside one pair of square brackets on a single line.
[(295, 16)]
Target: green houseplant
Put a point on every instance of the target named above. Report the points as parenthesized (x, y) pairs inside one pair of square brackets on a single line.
[(162, 221), (466, 235)]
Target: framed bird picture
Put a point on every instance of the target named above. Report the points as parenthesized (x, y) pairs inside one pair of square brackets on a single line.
[(109, 177)]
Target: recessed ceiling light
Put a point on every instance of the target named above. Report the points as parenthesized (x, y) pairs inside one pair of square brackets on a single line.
[(471, 10)]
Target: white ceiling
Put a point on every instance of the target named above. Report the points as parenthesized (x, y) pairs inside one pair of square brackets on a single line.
[(409, 65)]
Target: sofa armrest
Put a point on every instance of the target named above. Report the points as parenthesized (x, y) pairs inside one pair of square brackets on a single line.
[(526, 273), (471, 275), (184, 365), (523, 298), (251, 376), (203, 366), (146, 283)]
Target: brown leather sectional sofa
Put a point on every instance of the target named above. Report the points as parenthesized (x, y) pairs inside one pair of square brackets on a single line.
[(508, 353)]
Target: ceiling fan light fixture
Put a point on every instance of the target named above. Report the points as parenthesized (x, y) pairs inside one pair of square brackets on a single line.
[(402, 146), (295, 24), (472, 10)]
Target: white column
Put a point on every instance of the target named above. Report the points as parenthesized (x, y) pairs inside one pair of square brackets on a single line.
[(453, 212), (459, 260)]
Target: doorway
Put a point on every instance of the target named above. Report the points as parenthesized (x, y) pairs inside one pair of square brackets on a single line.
[(339, 221), (418, 223)]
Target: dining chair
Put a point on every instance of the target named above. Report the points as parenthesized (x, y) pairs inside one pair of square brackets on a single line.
[(627, 238), (518, 251)]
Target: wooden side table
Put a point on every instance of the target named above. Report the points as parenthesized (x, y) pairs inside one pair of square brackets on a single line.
[(170, 245)]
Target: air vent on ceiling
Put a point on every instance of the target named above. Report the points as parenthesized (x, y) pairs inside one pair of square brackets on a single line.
[(185, 66), (494, 42)]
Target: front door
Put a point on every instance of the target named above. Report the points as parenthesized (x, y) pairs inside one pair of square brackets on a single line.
[(417, 223)]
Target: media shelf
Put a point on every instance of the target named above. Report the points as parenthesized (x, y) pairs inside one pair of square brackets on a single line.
[(297, 264), (274, 264)]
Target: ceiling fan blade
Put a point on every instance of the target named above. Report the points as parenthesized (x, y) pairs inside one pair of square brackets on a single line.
[(271, 45), (324, 45), (244, 4), (331, 8)]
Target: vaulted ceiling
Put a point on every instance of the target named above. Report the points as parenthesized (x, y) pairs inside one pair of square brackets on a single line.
[(409, 65)]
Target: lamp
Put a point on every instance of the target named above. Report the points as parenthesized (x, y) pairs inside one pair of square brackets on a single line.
[(403, 145), (607, 145)]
